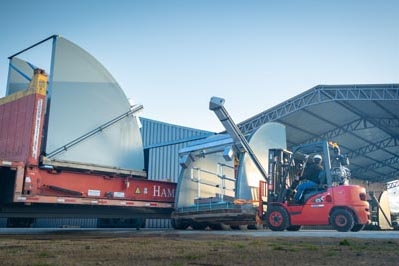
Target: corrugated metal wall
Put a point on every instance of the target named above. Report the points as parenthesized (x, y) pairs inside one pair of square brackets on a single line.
[(65, 222), (157, 133), (59, 222), (3, 222), (163, 142)]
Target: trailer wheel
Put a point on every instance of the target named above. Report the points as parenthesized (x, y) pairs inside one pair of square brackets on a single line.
[(220, 226), (198, 226), (358, 227), (342, 220), (255, 226), (277, 218), (179, 224)]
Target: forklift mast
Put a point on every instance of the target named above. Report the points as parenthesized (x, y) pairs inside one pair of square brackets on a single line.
[(280, 174)]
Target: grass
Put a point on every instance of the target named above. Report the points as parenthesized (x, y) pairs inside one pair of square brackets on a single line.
[(193, 250)]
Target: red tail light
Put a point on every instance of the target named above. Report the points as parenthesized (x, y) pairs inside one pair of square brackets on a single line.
[(362, 196), (328, 198)]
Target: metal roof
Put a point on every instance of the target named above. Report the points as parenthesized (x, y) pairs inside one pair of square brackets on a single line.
[(362, 119)]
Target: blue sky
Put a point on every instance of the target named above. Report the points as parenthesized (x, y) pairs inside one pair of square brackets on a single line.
[(173, 56)]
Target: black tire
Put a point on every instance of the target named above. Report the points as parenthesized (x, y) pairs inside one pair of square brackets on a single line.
[(216, 226), (342, 220), (225, 226), (358, 227), (198, 226), (242, 227), (255, 226), (293, 228), (179, 224), (276, 218)]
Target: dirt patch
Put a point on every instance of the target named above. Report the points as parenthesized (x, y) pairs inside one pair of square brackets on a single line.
[(76, 248)]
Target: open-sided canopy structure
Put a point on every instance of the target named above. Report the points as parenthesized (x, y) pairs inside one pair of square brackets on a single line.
[(362, 119)]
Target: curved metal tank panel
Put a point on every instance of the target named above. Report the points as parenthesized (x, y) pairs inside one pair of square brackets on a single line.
[(83, 96), (269, 136), (19, 74), (202, 175)]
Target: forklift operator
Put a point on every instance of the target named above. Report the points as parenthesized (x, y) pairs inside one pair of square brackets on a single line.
[(312, 176)]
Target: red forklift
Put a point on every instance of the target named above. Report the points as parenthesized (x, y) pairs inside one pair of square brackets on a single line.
[(333, 202)]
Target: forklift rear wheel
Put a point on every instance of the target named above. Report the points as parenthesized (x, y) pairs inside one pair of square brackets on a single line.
[(342, 220)]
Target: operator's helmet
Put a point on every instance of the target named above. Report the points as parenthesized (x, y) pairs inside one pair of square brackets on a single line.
[(317, 158)]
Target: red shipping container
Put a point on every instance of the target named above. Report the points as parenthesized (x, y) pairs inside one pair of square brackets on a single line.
[(18, 139)]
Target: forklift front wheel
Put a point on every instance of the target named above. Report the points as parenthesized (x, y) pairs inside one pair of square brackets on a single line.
[(277, 218)]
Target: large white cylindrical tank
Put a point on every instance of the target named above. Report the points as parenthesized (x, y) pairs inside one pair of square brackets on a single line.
[(271, 135)]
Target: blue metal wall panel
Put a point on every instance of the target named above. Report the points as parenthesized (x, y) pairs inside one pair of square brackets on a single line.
[(65, 223), (3, 222), (163, 142), (156, 133)]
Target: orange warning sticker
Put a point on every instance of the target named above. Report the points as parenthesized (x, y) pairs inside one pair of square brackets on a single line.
[(137, 191)]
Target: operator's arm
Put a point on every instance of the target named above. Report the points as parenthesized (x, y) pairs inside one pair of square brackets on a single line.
[(323, 179), (297, 179), (306, 173)]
